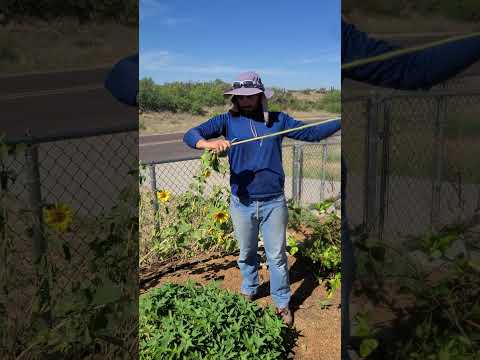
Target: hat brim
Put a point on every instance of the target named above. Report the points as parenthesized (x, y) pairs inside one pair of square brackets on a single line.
[(249, 91)]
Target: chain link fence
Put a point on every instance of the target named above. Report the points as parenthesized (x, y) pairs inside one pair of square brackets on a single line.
[(414, 158), (312, 172), (48, 250)]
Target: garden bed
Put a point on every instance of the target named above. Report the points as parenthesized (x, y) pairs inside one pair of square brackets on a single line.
[(319, 328)]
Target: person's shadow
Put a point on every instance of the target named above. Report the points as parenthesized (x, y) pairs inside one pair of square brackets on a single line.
[(301, 270)]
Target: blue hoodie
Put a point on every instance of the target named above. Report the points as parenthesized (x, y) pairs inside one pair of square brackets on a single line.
[(256, 170), (418, 70)]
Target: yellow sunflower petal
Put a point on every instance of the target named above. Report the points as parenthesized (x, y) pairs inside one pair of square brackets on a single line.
[(163, 195), (58, 217)]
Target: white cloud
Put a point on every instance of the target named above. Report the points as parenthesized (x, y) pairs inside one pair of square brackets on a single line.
[(162, 60), (155, 59), (161, 12)]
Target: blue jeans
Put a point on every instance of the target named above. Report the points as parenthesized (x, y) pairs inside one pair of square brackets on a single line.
[(269, 217)]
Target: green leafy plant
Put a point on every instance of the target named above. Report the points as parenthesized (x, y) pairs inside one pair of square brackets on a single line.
[(195, 220), (292, 245), (443, 310), (366, 333), (81, 316), (321, 207), (89, 312), (321, 246), (203, 322)]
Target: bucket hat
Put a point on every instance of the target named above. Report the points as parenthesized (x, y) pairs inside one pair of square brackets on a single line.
[(248, 83)]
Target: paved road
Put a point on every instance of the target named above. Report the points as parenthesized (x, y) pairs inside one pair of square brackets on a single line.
[(55, 103), (87, 174), (170, 147)]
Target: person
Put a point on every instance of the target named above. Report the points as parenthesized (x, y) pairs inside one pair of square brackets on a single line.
[(257, 202), (122, 80), (420, 70)]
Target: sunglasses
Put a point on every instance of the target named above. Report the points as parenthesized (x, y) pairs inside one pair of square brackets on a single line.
[(246, 84)]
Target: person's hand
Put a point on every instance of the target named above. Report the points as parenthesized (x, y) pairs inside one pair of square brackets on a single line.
[(218, 146)]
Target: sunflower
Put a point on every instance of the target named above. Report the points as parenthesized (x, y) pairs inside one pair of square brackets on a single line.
[(221, 238), (163, 195), (58, 217), (220, 216)]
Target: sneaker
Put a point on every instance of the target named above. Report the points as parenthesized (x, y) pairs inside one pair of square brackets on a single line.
[(286, 315), (249, 297)]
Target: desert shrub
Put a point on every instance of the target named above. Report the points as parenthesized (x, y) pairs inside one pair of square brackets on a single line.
[(195, 97), (332, 101), (180, 96)]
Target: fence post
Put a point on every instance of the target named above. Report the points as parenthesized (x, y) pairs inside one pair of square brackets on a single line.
[(384, 109), (323, 172), (39, 246), (371, 166), (437, 163), (153, 188), (297, 176)]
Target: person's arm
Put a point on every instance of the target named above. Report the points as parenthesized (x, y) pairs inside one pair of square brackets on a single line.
[(311, 134), (197, 137), (122, 80), (418, 70)]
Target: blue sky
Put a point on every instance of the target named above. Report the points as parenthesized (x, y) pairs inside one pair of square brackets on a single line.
[(292, 44)]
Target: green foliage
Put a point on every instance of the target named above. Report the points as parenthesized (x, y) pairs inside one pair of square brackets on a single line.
[(203, 322), (195, 97), (125, 11), (322, 246), (444, 312), (196, 221), (321, 207), (87, 313), (181, 97), (292, 245), (435, 245), (331, 102), (447, 314), (366, 333), (299, 217), (284, 99)]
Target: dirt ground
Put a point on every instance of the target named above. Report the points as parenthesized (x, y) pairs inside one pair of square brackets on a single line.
[(319, 328)]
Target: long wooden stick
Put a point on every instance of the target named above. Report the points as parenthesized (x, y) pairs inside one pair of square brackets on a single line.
[(400, 52), (284, 131)]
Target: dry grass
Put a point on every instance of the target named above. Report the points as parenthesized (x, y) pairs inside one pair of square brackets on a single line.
[(165, 121), (413, 23), (64, 44), (146, 222)]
